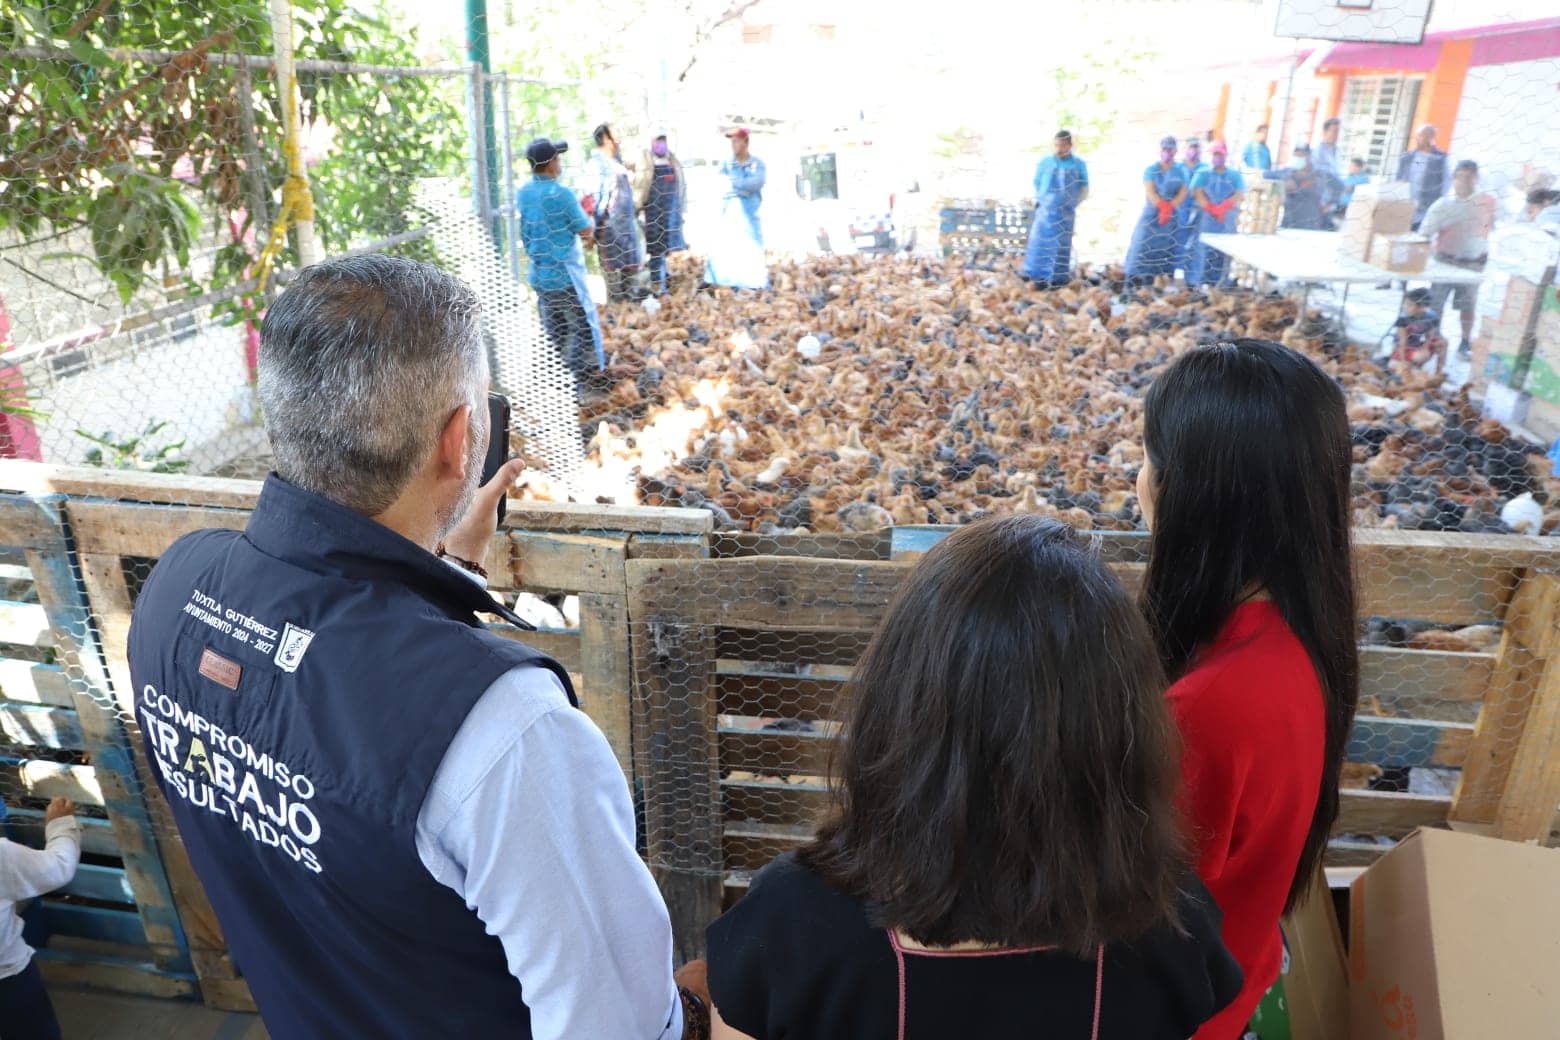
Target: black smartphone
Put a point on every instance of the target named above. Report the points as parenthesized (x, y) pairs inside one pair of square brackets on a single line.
[(498, 443)]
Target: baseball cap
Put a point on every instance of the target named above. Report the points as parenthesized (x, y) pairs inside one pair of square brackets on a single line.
[(1302, 149), (1167, 141), (740, 131), (1219, 147), (541, 151)]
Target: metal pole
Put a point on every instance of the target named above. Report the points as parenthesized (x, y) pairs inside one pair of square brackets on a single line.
[(479, 183), (478, 54), (511, 211)]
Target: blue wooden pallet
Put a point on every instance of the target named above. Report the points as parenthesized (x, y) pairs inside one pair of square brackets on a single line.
[(131, 904)]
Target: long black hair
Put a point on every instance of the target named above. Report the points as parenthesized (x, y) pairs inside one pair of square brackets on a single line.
[(1250, 454), (1009, 772)]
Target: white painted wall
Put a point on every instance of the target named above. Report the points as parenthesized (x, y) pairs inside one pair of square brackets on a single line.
[(1510, 118)]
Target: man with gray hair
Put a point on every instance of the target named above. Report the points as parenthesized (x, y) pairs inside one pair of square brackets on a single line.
[(406, 827), (1425, 170)]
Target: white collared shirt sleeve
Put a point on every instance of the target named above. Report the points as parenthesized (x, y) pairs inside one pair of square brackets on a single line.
[(529, 820)]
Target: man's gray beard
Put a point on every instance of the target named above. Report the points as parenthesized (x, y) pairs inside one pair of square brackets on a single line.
[(476, 454)]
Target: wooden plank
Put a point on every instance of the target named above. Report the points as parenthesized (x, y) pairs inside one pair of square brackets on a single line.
[(765, 592), (678, 763), (140, 978), (568, 563), (1344, 853), (875, 545), (761, 645), (129, 485), (761, 746), (24, 525), (561, 644), (27, 826), (774, 801), (105, 884), (750, 845), (91, 922), (36, 725), (1388, 813), (667, 547), (1447, 578), (40, 779), (1405, 743), (143, 825), (24, 624), (1413, 682), (772, 695), (1526, 810), (1527, 638), (606, 677), (575, 517), (227, 995), (129, 529), (29, 682)]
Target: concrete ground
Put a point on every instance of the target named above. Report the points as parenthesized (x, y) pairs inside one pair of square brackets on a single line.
[(95, 1015)]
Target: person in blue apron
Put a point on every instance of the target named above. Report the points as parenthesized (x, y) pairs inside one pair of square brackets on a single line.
[(609, 197), (737, 256), (1061, 182), (1186, 214), (663, 201), (1216, 192), (1302, 191), (555, 229), (1154, 240)]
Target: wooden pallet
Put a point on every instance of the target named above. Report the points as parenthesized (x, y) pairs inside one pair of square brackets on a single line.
[(115, 925), (739, 662), (122, 522)]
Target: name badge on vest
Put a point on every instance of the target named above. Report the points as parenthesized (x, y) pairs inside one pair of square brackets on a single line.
[(220, 670)]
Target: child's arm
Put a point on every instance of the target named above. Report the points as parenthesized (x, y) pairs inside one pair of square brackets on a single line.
[(25, 872)]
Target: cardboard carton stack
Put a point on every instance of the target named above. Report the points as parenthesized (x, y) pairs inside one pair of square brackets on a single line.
[(1520, 270), (1376, 210), (1402, 254)]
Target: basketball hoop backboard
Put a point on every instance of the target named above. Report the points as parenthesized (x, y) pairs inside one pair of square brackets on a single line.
[(1354, 21)]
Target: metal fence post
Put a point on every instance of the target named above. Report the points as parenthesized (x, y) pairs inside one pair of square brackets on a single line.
[(509, 208)]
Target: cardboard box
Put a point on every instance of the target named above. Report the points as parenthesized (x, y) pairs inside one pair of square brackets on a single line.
[(1401, 254), (1385, 209), (1393, 218), (1456, 937), (1316, 982)]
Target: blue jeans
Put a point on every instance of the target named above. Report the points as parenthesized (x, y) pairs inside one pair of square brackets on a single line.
[(658, 273), (568, 329)]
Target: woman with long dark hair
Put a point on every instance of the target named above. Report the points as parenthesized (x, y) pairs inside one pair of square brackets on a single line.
[(1003, 858), (1250, 592)]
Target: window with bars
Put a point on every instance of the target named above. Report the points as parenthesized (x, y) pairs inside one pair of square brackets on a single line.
[(1378, 116)]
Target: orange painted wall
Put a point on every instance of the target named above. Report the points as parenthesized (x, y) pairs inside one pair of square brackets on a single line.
[(1441, 94), (1334, 105)]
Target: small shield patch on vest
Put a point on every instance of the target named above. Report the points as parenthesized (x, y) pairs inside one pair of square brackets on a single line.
[(289, 652), (219, 669)]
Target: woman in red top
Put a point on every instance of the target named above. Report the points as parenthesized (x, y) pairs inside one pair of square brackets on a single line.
[(1250, 593)]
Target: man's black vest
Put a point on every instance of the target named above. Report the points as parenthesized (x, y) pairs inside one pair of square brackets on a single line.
[(298, 684)]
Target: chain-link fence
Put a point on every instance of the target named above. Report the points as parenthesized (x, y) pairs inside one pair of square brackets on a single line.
[(736, 456)]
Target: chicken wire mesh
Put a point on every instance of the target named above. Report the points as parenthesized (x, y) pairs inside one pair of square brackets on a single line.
[(903, 369)]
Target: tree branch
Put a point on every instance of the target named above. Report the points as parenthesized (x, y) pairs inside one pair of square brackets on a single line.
[(87, 19), (735, 11)]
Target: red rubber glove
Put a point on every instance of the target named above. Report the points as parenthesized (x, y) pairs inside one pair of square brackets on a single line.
[(1166, 211)]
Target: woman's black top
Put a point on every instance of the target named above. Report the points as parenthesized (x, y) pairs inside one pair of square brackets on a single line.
[(797, 959)]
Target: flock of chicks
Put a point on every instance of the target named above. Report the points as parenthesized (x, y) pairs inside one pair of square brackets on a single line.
[(862, 393)]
